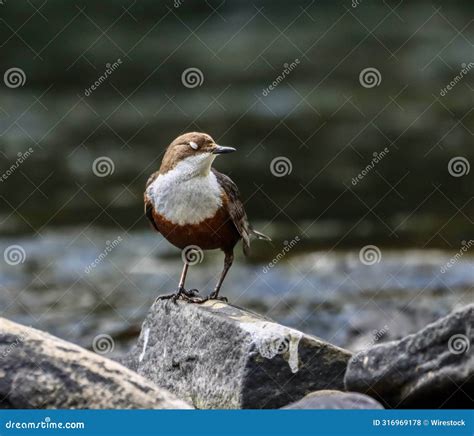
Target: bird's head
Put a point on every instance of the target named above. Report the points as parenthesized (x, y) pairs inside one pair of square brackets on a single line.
[(193, 151)]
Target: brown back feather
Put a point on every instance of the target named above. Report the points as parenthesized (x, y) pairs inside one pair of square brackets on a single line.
[(235, 208)]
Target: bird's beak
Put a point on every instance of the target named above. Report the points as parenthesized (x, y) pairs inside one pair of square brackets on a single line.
[(221, 150)]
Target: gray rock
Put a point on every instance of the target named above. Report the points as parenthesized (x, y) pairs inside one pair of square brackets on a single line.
[(216, 355), (328, 399), (40, 371), (432, 368)]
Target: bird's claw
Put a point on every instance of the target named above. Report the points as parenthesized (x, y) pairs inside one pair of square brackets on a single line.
[(191, 296), (191, 293), (165, 297), (185, 295), (215, 296)]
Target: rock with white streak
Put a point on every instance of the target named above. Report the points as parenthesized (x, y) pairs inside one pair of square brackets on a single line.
[(40, 371), (216, 355)]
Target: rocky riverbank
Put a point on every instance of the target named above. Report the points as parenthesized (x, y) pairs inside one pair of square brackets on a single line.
[(78, 284), (220, 356)]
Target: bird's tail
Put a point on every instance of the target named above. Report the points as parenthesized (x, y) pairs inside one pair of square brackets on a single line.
[(260, 235)]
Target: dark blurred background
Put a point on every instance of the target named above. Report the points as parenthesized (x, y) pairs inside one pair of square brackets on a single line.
[(300, 147)]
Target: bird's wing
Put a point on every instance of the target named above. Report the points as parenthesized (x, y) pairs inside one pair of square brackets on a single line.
[(235, 208), (148, 201)]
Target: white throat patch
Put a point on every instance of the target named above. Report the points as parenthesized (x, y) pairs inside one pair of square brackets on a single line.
[(189, 193)]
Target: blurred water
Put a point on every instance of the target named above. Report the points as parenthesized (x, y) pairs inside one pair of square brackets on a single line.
[(319, 117)]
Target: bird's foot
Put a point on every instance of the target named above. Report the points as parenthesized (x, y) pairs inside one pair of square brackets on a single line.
[(181, 294), (191, 297), (190, 294), (215, 296)]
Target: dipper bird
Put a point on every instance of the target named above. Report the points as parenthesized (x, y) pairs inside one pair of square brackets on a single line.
[(191, 204)]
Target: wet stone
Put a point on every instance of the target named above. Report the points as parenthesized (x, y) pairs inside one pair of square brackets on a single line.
[(216, 355), (432, 368)]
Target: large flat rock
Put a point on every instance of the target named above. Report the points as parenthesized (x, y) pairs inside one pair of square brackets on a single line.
[(432, 368), (40, 371), (216, 355)]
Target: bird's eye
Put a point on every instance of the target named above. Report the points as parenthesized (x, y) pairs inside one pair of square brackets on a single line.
[(194, 145)]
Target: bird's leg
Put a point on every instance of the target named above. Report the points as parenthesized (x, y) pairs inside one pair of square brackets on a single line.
[(229, 258), (181, 293), (182, 279)]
